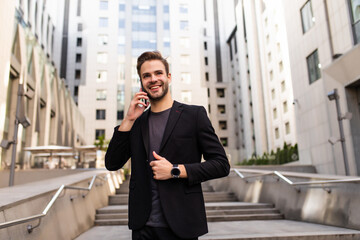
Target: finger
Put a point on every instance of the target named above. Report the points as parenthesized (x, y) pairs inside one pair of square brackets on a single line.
[(156, 156)]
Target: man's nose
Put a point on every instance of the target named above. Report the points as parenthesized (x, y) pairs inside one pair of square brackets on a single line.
[(153, 78)]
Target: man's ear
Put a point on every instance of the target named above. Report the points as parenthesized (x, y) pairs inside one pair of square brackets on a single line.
[(169, 77)]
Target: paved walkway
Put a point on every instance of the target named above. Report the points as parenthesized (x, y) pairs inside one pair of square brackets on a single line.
[(234, 230)]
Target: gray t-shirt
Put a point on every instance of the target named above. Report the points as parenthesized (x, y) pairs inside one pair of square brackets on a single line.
[(157, 123)]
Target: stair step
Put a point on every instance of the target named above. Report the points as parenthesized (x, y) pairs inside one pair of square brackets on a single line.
[(110, 222), (120, 199), (112, 216), (241, 211), (235, 205), (245, 217)]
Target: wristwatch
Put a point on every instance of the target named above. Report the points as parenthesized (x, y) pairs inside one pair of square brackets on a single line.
[(175, 171)]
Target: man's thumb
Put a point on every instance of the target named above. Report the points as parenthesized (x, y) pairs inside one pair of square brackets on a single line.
[(156, 156)]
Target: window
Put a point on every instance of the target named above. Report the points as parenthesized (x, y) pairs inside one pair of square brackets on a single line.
[(76, 91), (269, 56), (221, 109), (208, 90), (80, 27), (102, 58), (223, 125), (121, 7), (355, 19), (278, 47), (185, 42), (78, 12), (271, 75), (103, 40), (230, 51), (267, 39), (186, 96), (220, 92), (79, 42), (99, 132), (100, 114), (224, 142), (313, 67), (185, 59), (120, 115), (275, 113), (77, 74), (277, 134), (285, 106), (103, 22), (101, 76), (207, 76), (78, 57), (206, 61), (281, 66), (186, 78), (183, 8), (184, 25), (307, 17), (283, 87), (101, 95), (104, 5), (287, 128), (272, 94), (205, 45)]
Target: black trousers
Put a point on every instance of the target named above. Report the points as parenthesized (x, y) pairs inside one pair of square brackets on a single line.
[(155, 233)]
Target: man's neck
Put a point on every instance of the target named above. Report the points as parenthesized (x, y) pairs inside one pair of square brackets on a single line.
[(162, 105)]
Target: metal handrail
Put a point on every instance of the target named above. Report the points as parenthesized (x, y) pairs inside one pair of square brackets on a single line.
[(291, 183), (50, 204)]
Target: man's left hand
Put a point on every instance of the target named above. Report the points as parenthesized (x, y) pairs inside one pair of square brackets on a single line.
[(161, 167)]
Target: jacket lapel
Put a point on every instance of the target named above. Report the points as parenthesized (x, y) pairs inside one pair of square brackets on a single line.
[(145, 130), (174, 115)]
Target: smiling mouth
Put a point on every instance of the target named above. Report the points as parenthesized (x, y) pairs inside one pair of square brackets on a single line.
[(154, 87)]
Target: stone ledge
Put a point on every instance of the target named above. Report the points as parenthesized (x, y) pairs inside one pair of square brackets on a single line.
[(11, 196)]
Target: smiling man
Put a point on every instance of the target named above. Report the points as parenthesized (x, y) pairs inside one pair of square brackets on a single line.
[(166, 144)]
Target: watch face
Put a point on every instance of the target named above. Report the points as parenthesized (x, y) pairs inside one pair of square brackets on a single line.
[(175, 172)]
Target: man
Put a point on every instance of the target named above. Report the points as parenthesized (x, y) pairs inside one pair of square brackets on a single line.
[(165, 144)]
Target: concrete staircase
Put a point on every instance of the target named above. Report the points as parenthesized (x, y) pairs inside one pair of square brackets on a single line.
[(220, 207), (228, 219)]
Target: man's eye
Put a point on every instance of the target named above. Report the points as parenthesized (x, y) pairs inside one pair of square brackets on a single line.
[(158, 73)]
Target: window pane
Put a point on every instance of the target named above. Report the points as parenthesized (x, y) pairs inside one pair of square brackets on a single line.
[(101, 76), (99, 132), (184, 25), (186, 78), (313, 67), (100, 114), (104, 5), (183, 8), (186, 96), (103, 40), (100, 95), (102, 58), (103, 22), (307, 17)]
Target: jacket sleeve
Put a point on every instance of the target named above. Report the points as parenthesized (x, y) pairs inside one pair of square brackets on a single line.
[(216, 164), (119, 151)]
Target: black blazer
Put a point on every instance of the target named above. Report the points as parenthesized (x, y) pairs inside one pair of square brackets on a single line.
[(188, 136)]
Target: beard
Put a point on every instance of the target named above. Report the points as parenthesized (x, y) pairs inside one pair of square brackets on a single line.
[(165, 87)]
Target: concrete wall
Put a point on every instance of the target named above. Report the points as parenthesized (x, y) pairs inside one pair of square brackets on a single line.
[(337, 208), (66, 219)]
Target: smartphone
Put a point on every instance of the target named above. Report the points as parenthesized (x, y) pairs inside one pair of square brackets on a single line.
[(145, 101)]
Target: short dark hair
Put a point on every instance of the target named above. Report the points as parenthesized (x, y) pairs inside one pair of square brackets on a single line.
[(151, 55)]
